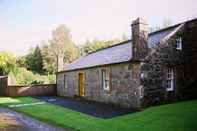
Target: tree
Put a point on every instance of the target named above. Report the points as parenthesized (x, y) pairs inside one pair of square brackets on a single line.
[(166, 23), (49, 59), (21, 62), (91, 46), (38, 65), (125, 37), (34, 61), (154, 28), (62, 44), (7, 62)]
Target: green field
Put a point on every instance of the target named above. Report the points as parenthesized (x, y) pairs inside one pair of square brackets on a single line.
[(181, 116)]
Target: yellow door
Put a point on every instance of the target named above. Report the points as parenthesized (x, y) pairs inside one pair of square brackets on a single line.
[(81, 84)]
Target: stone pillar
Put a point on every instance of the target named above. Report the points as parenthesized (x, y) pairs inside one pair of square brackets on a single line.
[(139, 38)]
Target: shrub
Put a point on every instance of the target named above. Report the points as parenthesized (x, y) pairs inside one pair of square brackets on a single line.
[(7, 62), (21, 76)]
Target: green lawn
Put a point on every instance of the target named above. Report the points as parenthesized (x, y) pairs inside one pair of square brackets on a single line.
[(173, 117)]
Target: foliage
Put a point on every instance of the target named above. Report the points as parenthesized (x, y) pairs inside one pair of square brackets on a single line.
[(21, 61), (7, 62), (17, 72), (27, 69), (154, 28), (21, 76), (91, 46), (49, 60), (36, 82), (166, 23), (34, 61), (62, 44), (51, 79), (173, 117)]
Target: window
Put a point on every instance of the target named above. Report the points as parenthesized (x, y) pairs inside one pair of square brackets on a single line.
[(179, 43), (170, 79), (105, 79), (143, 75), (141, 91)]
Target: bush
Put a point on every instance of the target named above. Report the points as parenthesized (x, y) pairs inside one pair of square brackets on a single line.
[(52, 79), (36, 82), (7, 62), (21, 76)]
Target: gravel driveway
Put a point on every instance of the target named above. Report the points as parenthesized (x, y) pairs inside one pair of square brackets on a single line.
[(13, 121)]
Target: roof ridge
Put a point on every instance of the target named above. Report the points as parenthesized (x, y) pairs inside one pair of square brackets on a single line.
[(152, 33), (123, 55), (171, 26)]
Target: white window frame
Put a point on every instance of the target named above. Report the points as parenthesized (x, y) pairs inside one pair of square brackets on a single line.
[(141, 75), (105, 79), (170, 79), (141, 91), (179, 43)]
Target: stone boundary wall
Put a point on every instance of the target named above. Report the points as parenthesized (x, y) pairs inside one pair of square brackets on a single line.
[(34, 90)]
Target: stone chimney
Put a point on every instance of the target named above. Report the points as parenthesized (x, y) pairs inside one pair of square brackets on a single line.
[(139, 38), (60, 63)]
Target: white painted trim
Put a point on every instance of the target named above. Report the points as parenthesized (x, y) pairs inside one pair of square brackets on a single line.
[(170, 77)]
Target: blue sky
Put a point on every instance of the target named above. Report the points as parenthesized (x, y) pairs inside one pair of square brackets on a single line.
[(25, 23)]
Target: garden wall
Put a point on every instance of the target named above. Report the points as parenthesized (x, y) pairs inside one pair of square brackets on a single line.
[(35, 90), (3, 85)]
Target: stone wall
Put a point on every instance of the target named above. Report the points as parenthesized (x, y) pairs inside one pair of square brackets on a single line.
[(124, 79), (155, 68), (183, 61), (126, 83), (190, 60)]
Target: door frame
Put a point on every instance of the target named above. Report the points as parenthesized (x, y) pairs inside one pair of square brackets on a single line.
[(81, 83)]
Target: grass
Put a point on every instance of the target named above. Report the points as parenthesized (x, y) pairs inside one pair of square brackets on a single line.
[(181, 116), (3, 125)]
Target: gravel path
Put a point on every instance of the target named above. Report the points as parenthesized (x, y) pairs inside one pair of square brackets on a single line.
[(13, 121)]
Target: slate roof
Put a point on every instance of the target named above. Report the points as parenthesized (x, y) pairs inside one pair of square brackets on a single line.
[(117, 53)]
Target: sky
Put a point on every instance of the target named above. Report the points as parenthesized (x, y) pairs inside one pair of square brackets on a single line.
[(25, 23)]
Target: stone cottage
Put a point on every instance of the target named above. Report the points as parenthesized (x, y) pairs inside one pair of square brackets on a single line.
[(148, 69)]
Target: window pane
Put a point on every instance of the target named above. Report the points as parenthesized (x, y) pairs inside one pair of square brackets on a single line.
[(179, 43), (105, 79), (170, 80)]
